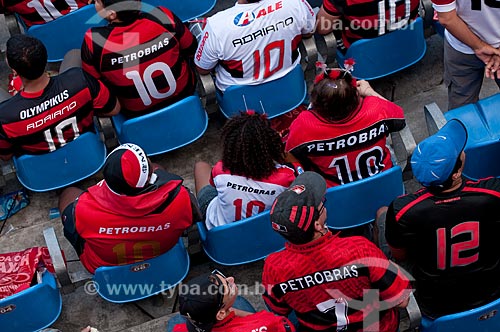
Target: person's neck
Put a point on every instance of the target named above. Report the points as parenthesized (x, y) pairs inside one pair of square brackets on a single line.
[(456, 184), (38, 84)]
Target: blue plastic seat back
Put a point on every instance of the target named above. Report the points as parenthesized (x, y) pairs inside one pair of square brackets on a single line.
[(275, 97), (483, 160), (481, 119), (482, 319), (376, 57), (356, 203), (164, 130), (67, 32), (132, 282), (483, 142), (186, 10), (241, 242), (69, 164), (32, 309)]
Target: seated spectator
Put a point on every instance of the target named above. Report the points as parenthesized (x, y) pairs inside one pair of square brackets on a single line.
[(360, 19), (249, 176), (324, 278), (39, 12), (142, 56), (49, 111), (211, 303), (343, 136), (449, 229), (137, 212), (254, 41)]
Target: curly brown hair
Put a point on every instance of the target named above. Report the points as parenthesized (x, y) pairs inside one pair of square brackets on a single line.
[(335, 99), (250, 146)]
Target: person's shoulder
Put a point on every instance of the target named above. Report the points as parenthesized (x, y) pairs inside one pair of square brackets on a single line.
[(488, 186)]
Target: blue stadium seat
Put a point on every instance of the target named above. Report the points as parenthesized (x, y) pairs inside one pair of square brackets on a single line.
[(481, 119), (274, 98), (186, 10), (241, 242), (164, 130), (32, 309), (133, 282), (482, 319), (356, 203), (376, 57), (483, 128), (69, 164), (66, 33)]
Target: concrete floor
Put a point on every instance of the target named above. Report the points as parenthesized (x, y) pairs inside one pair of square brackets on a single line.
[(414, 87)]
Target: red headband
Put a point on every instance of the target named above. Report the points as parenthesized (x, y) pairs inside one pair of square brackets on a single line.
[(335, 73)]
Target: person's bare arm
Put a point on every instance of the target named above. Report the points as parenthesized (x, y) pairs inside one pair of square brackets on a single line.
[(325, 22), (457, 27), (203, 71), (365, 89)]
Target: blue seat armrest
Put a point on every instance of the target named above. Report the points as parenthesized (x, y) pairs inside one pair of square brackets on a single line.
[(434, 118), (57, 260)]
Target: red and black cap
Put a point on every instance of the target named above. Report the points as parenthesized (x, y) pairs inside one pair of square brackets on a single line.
[(296, 209), (126, 170)]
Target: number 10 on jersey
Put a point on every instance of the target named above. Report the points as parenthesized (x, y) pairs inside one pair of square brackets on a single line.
[(263, 59)]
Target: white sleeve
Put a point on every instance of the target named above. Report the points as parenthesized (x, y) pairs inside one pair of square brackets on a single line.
[(444, 6), (206, 55), (309, 17)]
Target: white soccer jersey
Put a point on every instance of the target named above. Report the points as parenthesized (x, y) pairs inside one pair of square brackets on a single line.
[(482, 17), (239, 197), (256, 42)]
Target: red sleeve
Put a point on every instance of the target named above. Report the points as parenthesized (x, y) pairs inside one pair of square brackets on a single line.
[(87, 56), (187, 42), (386, 276), (103, 101), (269, 279), (330, 8)]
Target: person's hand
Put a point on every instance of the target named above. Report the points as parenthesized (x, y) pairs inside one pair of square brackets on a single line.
[(486, 52), (364, 88), (492, 68)]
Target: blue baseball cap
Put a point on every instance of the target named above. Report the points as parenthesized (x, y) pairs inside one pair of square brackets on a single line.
[(435, 157)]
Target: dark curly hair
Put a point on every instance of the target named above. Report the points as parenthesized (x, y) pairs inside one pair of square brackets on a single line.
[(250, 146), (335, 99)]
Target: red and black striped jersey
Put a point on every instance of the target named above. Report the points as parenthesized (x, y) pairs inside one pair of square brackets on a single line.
[(40, 11), (335, 284), (363, 19), (144, 63), (452, 239), (35, 123), (350, 150)]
